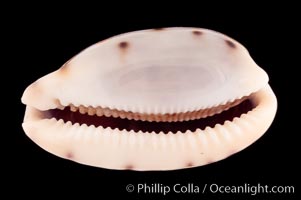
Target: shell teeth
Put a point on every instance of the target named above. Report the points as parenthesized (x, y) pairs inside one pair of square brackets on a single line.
[(182, 116), (73, 108), (91, 111), (114, 113), (143, 118), (107, 112), (82, 109), (122, 115), (136, 117), (99, 111)]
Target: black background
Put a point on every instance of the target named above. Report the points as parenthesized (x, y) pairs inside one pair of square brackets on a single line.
[(42, 42)]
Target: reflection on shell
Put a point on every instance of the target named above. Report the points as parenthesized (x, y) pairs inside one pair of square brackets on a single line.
[(131, 100)]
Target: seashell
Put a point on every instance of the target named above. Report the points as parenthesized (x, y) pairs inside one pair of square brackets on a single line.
[(158, 99)]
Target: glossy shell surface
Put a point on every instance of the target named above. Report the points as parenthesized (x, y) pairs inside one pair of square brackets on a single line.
[(171, 74)]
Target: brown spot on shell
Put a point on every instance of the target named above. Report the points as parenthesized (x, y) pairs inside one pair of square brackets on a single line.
[(69, 155), (197, 33), (123, 45), (129, 167), (230, 44), (189, 164), (158, 29)]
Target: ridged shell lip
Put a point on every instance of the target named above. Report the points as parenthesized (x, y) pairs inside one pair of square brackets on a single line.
[(122, 120), (97, 146)]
